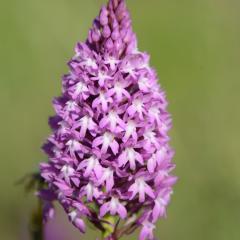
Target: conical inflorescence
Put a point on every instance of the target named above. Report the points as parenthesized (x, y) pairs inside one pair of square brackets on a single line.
[(109, 153)]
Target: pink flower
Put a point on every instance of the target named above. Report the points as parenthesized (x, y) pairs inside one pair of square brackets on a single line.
[(109, 151), (77, 221), (131, 156), (101, 103), (85, 123), (91, 192), (90, 165), (74, 146), (147, 231), (119, 91), (141, 188), (114, 206), (107, 178), (107, 140), (113, 121), (160, 204), (79, 91), (102, 77)]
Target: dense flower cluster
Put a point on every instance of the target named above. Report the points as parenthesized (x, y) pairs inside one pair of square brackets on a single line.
[(109, 151)]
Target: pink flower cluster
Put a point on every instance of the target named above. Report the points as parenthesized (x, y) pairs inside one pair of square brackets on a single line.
[(109, 152)]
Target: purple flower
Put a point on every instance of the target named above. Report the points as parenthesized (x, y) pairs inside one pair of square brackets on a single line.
[(77, 220), (107, 179), (89, 165), (131, 156), (114, 207), (113, 121), (102, 102), (109, 153), (91, 191), (107, 140), (141, 188), (85, 123), (147, 231), (161, 203)]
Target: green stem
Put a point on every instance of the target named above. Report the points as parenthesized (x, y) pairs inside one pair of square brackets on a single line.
[(36, 223)]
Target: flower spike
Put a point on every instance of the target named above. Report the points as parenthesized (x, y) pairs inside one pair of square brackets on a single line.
[(109, 153)]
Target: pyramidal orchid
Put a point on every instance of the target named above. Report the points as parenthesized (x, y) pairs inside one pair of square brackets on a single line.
[(110, 161)]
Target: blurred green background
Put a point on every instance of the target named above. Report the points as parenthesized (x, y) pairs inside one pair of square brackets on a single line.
[(195, 46)]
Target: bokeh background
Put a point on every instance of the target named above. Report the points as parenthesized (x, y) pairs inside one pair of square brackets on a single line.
[(195, 47)]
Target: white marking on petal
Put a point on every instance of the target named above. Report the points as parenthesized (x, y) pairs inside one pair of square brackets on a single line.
[(138, 104), (56, 151), (131, 157), (130, 152), (107, 138), (73, 215), (92, 162), (144, 83), (114, 204), (140, 184), (71, 105), (63, 127), (112, 118), (128, 68), (89, 62), (154, 111), (118, 87), (102, 97), (162, 202), (107, 173), (80, 87), (112, 62), (85, 121), (162, 151), (73, 144), (67, 171), (150, 136), (102, 76), (89, 190), (131, 128)]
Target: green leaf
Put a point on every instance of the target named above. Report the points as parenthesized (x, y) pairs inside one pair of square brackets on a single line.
[(109, 225)]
